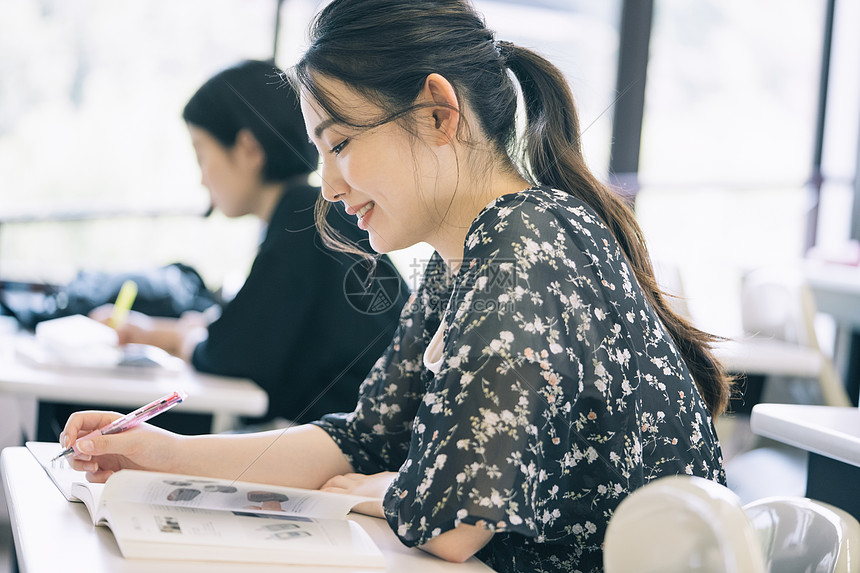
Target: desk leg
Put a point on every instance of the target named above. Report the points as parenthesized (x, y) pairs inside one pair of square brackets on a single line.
[(833, 482), (852, 376), (847, 360), (223, 422)]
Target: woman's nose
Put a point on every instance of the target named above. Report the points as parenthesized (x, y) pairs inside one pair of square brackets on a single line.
[(333, 186)]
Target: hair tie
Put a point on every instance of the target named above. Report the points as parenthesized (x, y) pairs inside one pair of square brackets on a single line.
[(503, 49)]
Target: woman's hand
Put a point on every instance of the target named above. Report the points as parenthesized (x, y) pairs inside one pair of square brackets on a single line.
[(178, 336), (456, 545), (144, 447), (374, 485), (137, 328)]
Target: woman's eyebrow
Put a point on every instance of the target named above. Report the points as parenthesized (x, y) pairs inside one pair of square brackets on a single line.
[(323, 126)]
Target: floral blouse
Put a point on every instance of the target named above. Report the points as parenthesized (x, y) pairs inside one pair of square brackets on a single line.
[(527, 393)]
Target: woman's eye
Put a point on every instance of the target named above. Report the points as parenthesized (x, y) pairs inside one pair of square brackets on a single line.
[(339, 147)]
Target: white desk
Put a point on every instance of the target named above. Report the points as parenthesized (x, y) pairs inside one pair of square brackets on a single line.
[(52, 534), (832, 437), (824, 430), (765, 357), (836, 289), (224, 398), (757, 358)]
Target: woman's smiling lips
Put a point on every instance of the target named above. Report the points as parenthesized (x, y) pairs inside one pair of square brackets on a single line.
[(350, 210), (362, 212)]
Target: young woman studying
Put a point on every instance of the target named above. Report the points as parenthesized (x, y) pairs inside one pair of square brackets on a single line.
[(537, 376)]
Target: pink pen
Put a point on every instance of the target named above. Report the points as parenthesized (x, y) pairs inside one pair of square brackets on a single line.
[(132, 419)]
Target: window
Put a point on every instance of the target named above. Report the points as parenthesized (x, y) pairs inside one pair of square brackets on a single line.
[(90, 125), (96, 169), (727, 141), (581, 38)]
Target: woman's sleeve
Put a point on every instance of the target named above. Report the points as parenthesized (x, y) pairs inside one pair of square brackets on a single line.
[(375, 436)]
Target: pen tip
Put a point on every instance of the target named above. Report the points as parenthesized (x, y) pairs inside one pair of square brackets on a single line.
[(62, 454)]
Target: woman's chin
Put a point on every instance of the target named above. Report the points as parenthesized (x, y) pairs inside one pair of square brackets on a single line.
[(378, 245), (385, 244)]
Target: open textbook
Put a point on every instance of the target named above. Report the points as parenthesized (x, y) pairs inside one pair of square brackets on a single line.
[(167, 516)]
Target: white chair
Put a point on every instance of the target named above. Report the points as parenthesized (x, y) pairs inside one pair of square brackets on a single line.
[(778, 316), (778, 319), (690, 524), (799, 534), (681, 524)]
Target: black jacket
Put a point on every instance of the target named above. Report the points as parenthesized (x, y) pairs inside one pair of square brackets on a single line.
[(297, 327)]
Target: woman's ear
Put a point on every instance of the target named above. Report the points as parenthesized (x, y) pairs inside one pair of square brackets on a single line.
[(248, 149), (444, 108)]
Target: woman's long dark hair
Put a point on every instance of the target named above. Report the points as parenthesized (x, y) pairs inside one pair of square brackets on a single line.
[(385, 49)]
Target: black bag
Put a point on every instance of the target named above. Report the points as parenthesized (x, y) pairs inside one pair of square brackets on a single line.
[(165, 291)]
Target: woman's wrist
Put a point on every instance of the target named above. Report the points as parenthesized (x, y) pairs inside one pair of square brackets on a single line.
[(189, 455), (189, 340)]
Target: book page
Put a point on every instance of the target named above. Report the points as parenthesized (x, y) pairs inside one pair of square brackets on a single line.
[(60, 472), (90, 495), (210, 493), (171, 532)]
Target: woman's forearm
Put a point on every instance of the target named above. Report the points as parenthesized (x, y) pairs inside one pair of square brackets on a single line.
[(302, 456)]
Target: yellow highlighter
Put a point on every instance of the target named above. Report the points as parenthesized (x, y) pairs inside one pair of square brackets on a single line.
[(123, 303)]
